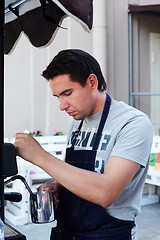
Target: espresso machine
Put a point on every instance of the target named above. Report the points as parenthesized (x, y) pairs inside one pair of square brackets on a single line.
[(9, 169)]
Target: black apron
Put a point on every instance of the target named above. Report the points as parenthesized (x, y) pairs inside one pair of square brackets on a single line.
[(80, 219)]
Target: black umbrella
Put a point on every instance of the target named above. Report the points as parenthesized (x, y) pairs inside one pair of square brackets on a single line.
[(39, 20)]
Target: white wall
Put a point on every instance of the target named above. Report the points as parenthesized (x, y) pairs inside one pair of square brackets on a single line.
[(144, 2), (29, 103)]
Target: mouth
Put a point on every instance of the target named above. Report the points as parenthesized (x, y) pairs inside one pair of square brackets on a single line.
[(71, 113)]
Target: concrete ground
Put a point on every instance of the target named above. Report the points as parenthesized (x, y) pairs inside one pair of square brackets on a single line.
[(148, 223)]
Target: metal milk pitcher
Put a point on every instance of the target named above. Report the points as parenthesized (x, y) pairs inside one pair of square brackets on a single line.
[(42, 207)]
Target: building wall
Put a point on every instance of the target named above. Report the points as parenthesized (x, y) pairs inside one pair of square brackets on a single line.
[(142, 27), (29, 103), (117, 49), (28, 100), (143, 2)]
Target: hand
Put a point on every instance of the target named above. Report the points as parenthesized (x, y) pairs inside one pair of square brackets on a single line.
[(50, 186), (28, 148)]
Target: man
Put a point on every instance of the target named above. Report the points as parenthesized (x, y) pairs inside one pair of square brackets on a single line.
[(101, 180)]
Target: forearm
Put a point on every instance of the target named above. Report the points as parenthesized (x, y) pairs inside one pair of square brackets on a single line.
[(101, 189), (86, 184)]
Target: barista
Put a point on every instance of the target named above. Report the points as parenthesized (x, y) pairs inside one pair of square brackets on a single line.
[(101, 180)]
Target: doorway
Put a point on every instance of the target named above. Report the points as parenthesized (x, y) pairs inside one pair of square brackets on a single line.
[(155, 79)]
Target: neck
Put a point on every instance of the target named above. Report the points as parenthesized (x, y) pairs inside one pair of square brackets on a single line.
[(99, 102), (113, 101)]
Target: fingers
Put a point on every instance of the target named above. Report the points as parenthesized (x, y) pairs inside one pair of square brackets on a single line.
[(43, 188), (50, 186), (21, 136), (47, 186), (27, 147), (20, 139)]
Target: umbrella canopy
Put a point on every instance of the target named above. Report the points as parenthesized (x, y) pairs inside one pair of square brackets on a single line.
[(40, 19)]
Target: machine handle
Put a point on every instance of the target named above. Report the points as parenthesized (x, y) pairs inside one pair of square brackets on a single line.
[(13, 196)]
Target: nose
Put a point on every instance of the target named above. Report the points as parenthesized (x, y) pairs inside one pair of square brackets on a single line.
[(63, 105)]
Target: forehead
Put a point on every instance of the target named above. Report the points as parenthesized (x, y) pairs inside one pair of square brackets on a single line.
[(61, 83)]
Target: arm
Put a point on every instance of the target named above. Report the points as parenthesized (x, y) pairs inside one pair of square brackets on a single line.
[(101, 189)]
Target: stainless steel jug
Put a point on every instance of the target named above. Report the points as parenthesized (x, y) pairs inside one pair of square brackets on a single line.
[(42, 207), (42, 204)]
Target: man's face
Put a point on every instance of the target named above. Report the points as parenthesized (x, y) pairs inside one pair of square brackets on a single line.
[(76, 100)]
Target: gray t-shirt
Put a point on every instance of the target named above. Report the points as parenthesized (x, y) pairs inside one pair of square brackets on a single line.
[(128, 134)]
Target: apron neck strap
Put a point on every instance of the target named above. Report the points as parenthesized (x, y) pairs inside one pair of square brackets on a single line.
[(101, 124), (76, 134)]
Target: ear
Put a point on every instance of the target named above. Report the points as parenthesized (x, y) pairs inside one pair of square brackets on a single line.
[(92, 82)]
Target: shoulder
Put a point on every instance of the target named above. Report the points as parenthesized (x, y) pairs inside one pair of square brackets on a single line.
[(127, 113), (134, 122), (134, 134)]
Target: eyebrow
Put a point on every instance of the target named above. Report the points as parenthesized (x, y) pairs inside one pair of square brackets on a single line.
[(63, 92)]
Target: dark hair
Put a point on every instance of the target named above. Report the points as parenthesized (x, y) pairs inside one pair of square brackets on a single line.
[(78, 64)]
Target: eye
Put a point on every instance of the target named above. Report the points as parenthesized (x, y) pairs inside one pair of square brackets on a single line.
[(68, 93)]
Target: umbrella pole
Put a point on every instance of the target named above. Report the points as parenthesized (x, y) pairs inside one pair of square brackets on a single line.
[(1, 107)]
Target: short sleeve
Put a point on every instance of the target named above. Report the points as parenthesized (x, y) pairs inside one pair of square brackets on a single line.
[(134, 140)]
